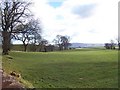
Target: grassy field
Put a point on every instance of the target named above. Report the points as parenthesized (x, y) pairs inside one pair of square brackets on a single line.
[(83, 68)]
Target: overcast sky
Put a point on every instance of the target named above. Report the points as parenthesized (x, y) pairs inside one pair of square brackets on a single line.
[(85, 21)]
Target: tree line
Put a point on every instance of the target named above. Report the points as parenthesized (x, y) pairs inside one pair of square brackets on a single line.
[(42, 45), (113, 45), (17, 23)]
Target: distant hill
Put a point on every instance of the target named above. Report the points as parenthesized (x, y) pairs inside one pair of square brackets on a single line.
[(78, 45)]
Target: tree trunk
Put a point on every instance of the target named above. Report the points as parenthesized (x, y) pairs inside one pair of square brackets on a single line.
[(5, 42), (60, 47), (25, 47), (45, 49), (65, 47)]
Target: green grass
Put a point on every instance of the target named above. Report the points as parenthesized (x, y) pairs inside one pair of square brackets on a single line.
[(84, 68)]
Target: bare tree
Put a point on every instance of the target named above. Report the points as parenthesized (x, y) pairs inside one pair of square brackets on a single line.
[(13, 13), (42, 45), (30, 33), (112, 44), (57, 41), (65, 41), (62, 41)]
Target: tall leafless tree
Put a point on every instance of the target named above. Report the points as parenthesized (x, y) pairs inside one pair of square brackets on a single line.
[(57, 41), (62, 41), (30, 33), (42, 45), (65, 42), (13, 13)]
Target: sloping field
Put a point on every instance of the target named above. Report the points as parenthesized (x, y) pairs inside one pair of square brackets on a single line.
[(84, 68)]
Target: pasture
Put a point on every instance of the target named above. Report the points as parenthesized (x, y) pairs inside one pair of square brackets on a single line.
[(83, 68)]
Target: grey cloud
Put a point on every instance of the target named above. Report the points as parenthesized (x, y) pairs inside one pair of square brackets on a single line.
[(84, 11)]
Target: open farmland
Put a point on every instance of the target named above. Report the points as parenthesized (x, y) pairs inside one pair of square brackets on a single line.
[(83, 68)]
